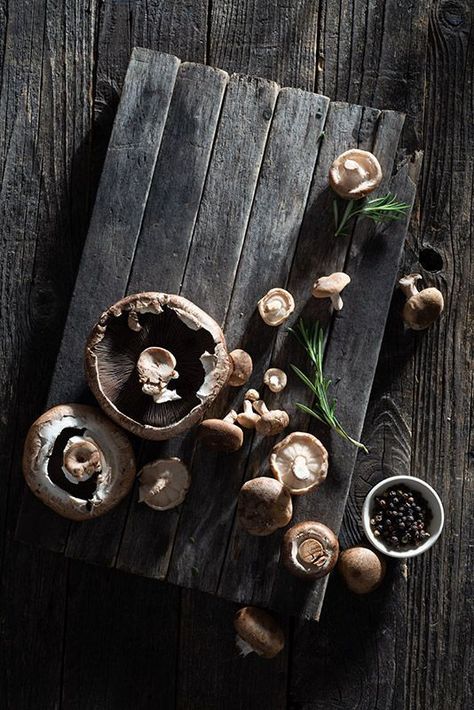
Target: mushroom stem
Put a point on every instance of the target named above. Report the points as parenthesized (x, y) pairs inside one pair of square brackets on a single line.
[(248, 418), (260, 407), (155, 371), (81, 459), (408, 284), (336, 301), (300, 469), (231, 417)]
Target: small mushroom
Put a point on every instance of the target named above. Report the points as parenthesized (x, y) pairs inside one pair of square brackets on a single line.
[(248, 418), (271, 422), (221, 434), (422, 308), (362, 569), (252, 395), (331, 287), (156, 368), (264, 505), (164, 483), (276, 306), (300, 462), (258, 632), (275, 379), (354, 174), (309, 550), (243, 367)]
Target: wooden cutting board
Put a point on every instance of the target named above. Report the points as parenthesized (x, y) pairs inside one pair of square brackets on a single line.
[(215, 187)]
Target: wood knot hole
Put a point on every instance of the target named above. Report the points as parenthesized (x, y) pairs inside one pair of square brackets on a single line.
[(453, 14), (430, 259)]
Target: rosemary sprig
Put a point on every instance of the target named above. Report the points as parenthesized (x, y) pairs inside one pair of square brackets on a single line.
[(378, 209), (311, 338)]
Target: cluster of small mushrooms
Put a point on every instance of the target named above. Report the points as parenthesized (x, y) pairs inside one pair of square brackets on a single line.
[(155, 363)]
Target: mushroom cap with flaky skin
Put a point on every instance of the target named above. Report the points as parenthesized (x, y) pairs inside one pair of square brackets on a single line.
[(243, 367), (273, 422), (309, 550), (221, 435), (59, 447), (275, 379), (362, 569), (264, 505), (258, 631), (164, 483), (276, 306), (300, 462), (156, 320), (354, 174), (422, 308)]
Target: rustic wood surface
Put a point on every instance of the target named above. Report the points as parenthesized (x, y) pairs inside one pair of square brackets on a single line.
[(77, 636)]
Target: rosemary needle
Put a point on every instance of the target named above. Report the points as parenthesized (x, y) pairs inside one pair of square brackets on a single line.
[(378, 209)]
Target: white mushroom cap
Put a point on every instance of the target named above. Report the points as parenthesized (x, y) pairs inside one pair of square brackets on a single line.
[(164, 483), (300, 462), (331, 287), (275, 379), (276, 306), (243, 367), (354, 174), (422, 308), (258, 632)]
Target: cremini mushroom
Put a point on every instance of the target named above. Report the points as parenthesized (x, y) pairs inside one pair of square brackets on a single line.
[(258, 632), (331, 287), (275, 379), (77, 461), (272, 421), (156, 362), (309, 550), (362, 569), (243, 366), (300, 462), (221, 434), (354, 174), (248, 418), (164, 483), (276, 306), (264, 505), (422, 308)]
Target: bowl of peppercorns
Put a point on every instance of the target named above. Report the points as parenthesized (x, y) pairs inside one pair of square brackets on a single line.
[(402, 516)]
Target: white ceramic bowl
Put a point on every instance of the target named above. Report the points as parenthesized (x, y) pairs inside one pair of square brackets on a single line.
[(431, 497)]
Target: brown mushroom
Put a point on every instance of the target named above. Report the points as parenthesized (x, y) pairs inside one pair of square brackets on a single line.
[(276, 306), (264, 505), (77, 461), (243, 366), (275, 379), (309, 550), (248, 418), (164, 483), (354, 174), (300, 462), (271, 422), (221, 434), (155, 363), (362, 569), (422, 308), (258, 632), (331, 287)]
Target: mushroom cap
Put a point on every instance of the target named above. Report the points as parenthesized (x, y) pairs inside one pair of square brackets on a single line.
[(248, 419), (300, 462), (276, 306), (421, 311), (164, 483), (354, 174), (275, 379), (309, 550), (243, 367), (176, 325), (264, 505), (43, 457), (259, 631), (220, 435), (272, 423), (362, 569), (327, 286)]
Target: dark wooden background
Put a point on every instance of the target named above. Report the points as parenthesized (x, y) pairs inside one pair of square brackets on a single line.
[(78, 637)]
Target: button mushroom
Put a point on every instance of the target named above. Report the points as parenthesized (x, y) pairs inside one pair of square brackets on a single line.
[(264, 505), (271, 422), (331, 287), (258, 632), (77, 461), (248, 418), (243, 366), (300, 462), (221, 434), (422, 308), (354, 174), (362, 569), (275, 379), (276, 306), (164, 483), (309, 550), (136, 352)]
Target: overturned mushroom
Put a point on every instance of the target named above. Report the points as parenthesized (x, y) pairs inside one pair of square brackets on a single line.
[(271, 422), (243, 366), (275, 379), (77, 461), (331, 287), (354, 174), (309, 550), (221, 434), (422, 308), (264, 505), (164, 483), (300, 462), (362, 569), (248, 418), (276, 306), (155, 363), (258, 632)]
